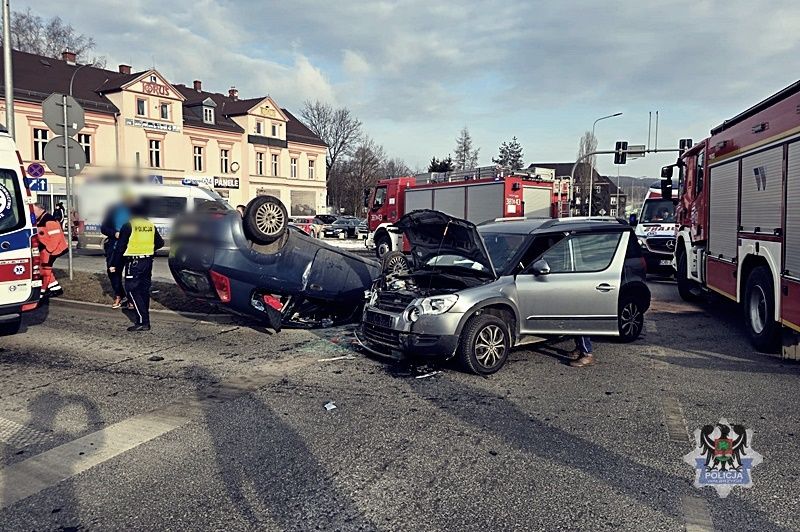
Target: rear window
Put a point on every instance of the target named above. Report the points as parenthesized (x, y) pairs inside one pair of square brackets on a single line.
[(163, 206), (12, 211)]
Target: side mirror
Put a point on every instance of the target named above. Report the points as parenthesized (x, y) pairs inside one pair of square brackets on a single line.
[(666, 187), (666, 171), (633, 221), (367, 193), (540, 267)]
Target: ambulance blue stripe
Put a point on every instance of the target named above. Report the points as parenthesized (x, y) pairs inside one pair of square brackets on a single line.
[(20, 239)]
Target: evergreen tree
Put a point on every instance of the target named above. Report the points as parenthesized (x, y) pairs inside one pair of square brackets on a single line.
[(510, 155), (444, 165), (466, 156)]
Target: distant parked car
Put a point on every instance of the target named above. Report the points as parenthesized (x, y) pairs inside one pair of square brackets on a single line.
[(362, 230), (310, 225), (344, 227), (476, 292)]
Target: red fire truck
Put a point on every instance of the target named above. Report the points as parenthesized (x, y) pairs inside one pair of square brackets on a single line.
[(738, 214), (474, 199)]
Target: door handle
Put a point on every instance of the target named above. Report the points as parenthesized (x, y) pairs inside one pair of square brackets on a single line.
[(604, 287)]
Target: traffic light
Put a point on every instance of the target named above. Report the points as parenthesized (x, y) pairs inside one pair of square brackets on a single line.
[(620, 155)]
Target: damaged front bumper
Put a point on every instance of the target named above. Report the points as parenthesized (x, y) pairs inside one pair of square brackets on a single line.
[(391, 334)]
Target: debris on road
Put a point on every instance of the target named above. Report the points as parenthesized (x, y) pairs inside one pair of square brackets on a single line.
[(429, 374), (155, 358), (330, 406), (333, 359)]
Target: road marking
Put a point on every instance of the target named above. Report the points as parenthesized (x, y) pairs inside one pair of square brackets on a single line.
[(650, 326), (18, 435), (676, 424), (23, 479), (695, 514)]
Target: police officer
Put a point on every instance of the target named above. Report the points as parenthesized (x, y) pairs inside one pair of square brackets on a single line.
[(138, 241)]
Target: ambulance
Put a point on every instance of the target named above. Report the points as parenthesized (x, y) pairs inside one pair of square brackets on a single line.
[(20, 275), (655, 230)]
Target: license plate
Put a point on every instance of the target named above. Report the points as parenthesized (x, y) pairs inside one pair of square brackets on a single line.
[(665, 262), (376, 318)]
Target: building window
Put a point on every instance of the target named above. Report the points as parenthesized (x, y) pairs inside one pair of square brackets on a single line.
[(223, 161), (275, 166), (208, 115), (275, 130), (294, 167), (613, 200), (39, 140), (613, 212), (141, 107), (311, 168), (85, 140), (259, 127), (155, 153), (259, 163), (163, 110), (197, 152)]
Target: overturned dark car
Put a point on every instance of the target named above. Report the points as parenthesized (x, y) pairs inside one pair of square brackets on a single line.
[(261, 267)]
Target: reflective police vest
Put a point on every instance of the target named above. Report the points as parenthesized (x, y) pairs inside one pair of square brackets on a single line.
[(142, 240)]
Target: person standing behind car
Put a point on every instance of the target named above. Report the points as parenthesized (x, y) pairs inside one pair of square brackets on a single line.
[(138, 241), (52, 244), (115, 218)]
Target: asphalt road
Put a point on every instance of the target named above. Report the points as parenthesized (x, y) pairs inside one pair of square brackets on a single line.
[(220, 426)]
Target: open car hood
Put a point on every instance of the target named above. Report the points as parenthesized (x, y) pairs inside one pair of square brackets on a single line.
[(436, 234)]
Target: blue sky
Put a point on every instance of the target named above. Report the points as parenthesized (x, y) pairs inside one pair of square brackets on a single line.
[(416, 71)]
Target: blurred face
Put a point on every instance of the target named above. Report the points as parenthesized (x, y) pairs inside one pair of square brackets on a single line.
[(38, 211)]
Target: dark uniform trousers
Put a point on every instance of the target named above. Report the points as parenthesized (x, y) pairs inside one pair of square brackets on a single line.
[(138, 280)]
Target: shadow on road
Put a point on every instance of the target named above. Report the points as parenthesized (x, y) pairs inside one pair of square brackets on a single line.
[(271, 476)]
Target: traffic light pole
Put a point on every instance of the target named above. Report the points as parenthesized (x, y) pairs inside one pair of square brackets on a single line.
[(611, 152), (69, 187)]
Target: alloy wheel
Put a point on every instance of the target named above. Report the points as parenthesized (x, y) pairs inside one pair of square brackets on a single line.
[(269, 218), (490, 346), (630, 320)]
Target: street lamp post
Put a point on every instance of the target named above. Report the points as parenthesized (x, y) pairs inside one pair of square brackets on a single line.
[(591, 160)]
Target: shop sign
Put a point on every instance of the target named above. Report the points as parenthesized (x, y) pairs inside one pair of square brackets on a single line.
[(150, 87), (226, 182), (198, 181), (266, 110), (149, 124)]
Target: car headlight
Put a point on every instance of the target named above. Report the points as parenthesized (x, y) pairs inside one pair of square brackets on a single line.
[(438, 304), (642, 242), (371, 296)]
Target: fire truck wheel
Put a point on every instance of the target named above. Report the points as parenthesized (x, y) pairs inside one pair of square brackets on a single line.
[(685, 285), (759, 311), (484, 344), (383, 245), (265, 219), (8, 328), (395, 262)]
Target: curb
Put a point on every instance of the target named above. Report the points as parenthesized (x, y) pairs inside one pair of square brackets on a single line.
[(183, 316)]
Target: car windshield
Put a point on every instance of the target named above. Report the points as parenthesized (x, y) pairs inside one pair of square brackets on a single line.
[(502, 247), (658, 211)]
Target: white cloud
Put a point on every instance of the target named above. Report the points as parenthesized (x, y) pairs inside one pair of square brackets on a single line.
[(354, 64)]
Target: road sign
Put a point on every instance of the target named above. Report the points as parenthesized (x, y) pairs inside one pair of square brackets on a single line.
[(35, 170), (54, 156), (53, 114), (156, 179), (636, 151), (602, 212), (36, 184)]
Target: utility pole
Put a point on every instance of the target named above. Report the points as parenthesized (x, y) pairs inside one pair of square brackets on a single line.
[(591, 161), (69, 185), (8, 73)]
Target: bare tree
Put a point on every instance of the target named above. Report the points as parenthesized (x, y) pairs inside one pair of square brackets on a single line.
[(466, 156), (395, 168), (340, 130), (587, 144), (33, 34), (360, 171)]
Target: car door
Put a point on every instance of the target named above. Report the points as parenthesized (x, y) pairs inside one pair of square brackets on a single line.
[(579, 294)]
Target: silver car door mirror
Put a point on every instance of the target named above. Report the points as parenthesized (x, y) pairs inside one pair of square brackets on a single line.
[(540, 267)]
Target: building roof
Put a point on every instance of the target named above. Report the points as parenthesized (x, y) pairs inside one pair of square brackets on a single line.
[(193, 109), (296, 131)]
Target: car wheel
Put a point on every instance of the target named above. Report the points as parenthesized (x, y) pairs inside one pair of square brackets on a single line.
[(630, 318), (383, 245), (484, 344), (759, 311), (8, 328), (265, 219), (686, 287), (395, 262)]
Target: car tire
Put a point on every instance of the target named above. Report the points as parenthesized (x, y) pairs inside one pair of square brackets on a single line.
[(759, 309), (7, 328), (630, 318), (482, 333), (383, 245), (395, 262), (265, 219), (686, 287)]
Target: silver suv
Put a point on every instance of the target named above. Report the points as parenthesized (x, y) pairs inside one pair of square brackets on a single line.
[(475, 292)]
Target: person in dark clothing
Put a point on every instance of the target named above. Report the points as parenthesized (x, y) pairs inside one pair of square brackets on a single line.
[(58, 212), (138, 241), (115, 218)]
